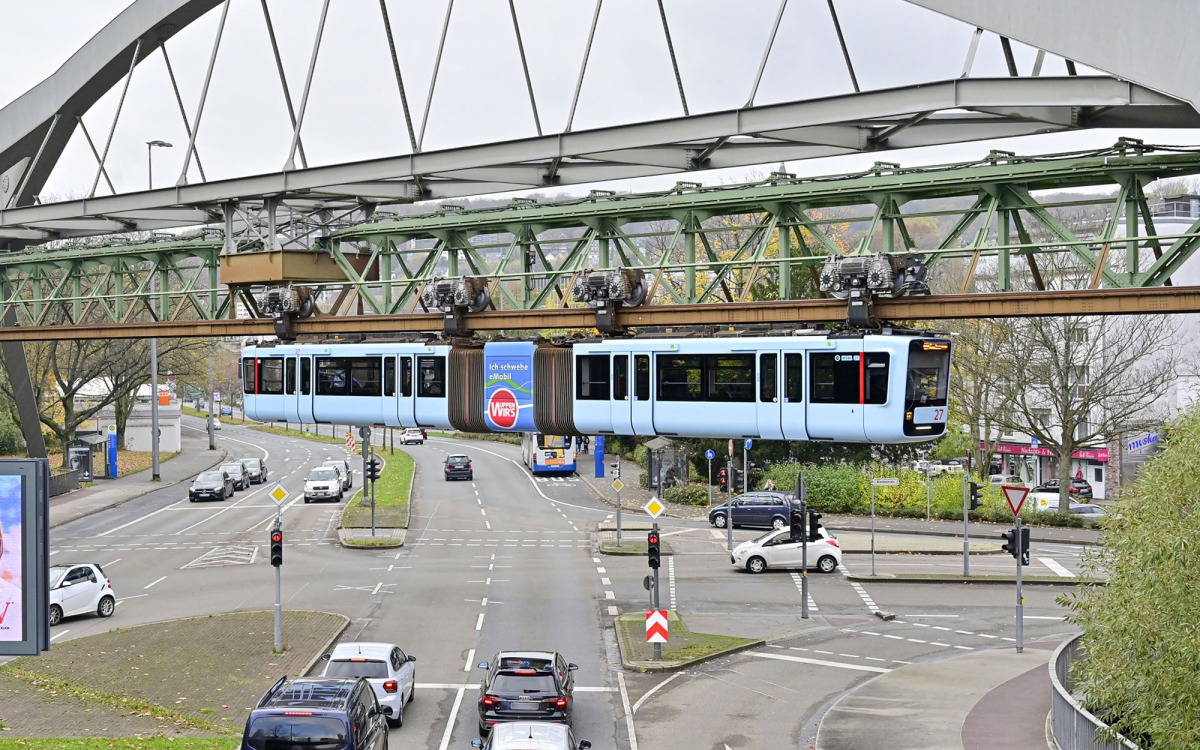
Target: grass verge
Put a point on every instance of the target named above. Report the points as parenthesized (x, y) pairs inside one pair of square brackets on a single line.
[(391, 495), (683, 646)]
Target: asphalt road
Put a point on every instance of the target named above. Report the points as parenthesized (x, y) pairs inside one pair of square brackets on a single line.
[(510, 562)]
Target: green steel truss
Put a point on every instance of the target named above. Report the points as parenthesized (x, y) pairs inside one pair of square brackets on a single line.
[(988, 226)]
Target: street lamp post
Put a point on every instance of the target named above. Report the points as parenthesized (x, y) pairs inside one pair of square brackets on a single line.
[(154, 473)]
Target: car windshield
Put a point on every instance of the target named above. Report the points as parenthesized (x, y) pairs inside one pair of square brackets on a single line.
[(57, 572), (211, 476), (766, 536), (322, 475), (362, 668), (522, 684), (279, 732), (335, 465), (232, 468)]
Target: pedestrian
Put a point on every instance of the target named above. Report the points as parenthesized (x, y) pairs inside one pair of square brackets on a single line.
[(587, 444), (770, 485)]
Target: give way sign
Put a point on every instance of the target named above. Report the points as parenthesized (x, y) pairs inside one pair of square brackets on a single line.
[(1015, 497), (656, 626)]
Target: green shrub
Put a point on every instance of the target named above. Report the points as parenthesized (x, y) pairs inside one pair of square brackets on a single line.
[(688, 494)]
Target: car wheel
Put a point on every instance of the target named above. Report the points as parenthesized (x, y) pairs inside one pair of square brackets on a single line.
[(108, 605), (756, 564), (470, 477), (306, 500), (484, 729), (719, 521), (778, 523), (191, 499), (827, 564), (55, 614), (413, 693)]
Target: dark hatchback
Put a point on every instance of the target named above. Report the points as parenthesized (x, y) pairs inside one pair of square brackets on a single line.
[(526, 686), (769, 510), (1079, 487), (458, 466), (211, 485), (307, 712)]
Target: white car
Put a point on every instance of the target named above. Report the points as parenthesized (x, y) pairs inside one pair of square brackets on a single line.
[(412, 435), (392, 674), (80, 588), (344, 471), (323, 483), (539, 735), (776, 549), (216, 423)]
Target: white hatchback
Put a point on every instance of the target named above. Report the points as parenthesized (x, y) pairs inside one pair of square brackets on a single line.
[(392, 673), (776, 549), (80, 588), (535, 735)]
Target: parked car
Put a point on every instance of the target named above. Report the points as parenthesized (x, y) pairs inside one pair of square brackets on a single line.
[(216, 423), (765, 509), (1079, 488), (458, 466), (316, 712), (412, 435), (235, 469), (256, 468), (526, 686), (391, 672), (345, 473), (1087, 510), (521, 735), (777, 549), (323, 483), (1010, 480), (80, 588), (211, 485)]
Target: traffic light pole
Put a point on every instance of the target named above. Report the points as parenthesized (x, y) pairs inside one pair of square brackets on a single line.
[(1020, 596), (729, 480), (966, 518), (654, 592), (803, 551), (278, 597)]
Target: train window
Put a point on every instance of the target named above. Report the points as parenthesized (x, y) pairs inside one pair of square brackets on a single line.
[(406, 376), (620, 380), (793, 384), (731, 377), (389, 376), (641, 369), (680, 378), (270, 376), (249, 381), (289, 376), (365, 376), (768, 366), (432, 377), (834, 378), (591, 377), (331, 377), (875, 389), (305, 376)]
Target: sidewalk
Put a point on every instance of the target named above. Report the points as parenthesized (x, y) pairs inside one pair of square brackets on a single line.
[(993, 699)]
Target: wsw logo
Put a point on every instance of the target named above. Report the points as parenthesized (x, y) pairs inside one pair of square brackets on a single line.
[(502, 409)]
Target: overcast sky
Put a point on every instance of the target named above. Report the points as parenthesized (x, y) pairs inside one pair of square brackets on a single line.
[(354, 110)]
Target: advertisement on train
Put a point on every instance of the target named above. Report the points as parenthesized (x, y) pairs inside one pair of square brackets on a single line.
[(508, 386)]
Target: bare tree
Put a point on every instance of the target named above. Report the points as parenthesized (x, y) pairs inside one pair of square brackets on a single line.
[(978, 371)]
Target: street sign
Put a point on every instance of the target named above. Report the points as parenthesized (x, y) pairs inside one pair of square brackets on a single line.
[(731, 448), (279, 494), (617, 484), (886, 482), (710, 454), (748, 444), (1033, 441), (350, 443), (657, 630), (1015, 497), (654, 508)]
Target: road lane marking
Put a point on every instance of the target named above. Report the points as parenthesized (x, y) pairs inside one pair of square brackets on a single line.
[(479, 622), (652, 691), (453, 715), (1054, 565), (60, 634), (140, 519), (628, 711), (818, 662), (160, 580), (470, 659)]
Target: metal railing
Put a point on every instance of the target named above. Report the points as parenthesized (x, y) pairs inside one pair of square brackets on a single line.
[(1073, 726), (64, 482)]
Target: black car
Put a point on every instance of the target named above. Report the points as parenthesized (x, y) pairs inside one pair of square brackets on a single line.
[(236, 470), (331, 714), (256, 468), (1079, 487), (526, 686), (765, 509), (458, 466), (211, 485)]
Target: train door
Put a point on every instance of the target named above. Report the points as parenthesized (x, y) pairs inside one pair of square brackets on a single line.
[(622, 395), (883, 401), (791, 397), (304, 390), (641, 405), (404, 414), (768, 401), (835, 391), (291, 397)]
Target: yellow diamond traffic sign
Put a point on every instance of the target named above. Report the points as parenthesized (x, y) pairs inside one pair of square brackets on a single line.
[(279, 494), (654, 507), (617, 484)]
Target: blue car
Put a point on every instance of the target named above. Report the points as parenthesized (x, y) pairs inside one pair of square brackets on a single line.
[(769, 510)]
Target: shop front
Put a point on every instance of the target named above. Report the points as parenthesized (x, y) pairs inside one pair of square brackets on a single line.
[(1036, 464)]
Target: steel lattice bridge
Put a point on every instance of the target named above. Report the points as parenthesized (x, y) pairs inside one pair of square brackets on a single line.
[(721, 255)]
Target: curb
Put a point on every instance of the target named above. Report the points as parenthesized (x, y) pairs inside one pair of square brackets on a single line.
[(646, 667), (349, 539), (317, 658)]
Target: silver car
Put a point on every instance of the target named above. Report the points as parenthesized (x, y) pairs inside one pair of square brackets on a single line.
[(344, 471), (519, 735)]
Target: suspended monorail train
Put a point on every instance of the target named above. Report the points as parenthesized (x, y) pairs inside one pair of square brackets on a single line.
[(852, 386)]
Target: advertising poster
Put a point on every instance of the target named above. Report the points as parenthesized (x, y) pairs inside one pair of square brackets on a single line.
[(11, 559), (508, 386)]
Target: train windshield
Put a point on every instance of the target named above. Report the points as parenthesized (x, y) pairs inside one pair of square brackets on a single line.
[(928, 372)]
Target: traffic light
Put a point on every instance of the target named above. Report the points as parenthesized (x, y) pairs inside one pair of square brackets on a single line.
[(374, 468), (653, 553), (739, 480), (723, 477), (1024, 545), (814, 524), (797, 524), (976, 494), (277, 546)]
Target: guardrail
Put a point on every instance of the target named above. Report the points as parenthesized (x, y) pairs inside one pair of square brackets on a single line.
[(64, 482), (1073, 726)]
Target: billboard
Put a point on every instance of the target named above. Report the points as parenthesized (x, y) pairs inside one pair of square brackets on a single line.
[(24, 530), (508, 386)]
